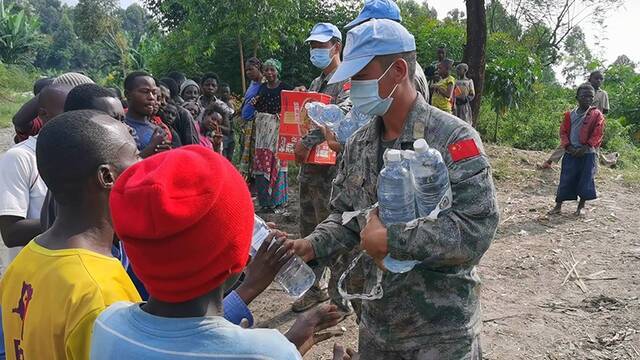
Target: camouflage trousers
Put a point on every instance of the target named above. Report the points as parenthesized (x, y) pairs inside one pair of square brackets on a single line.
[(460, 349), (314, 209)]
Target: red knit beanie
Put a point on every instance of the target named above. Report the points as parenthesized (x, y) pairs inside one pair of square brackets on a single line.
[(185, 217)]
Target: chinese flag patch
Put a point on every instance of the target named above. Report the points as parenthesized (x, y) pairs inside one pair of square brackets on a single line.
[(463, 149), (346, 86)]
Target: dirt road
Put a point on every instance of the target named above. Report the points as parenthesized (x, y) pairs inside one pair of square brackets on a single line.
[(529, 310)]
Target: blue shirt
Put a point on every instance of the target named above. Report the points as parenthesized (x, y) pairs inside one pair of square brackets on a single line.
[(125, 331), (143, 131), (248, 111), (576, 125)]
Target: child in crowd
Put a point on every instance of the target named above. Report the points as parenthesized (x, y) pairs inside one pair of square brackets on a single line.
[(580, 135), (212, 120), (465, 93), (187, 268), (190, 91), (59, 283), (443, 87), (140, 90), (168, 113), (229, 139)]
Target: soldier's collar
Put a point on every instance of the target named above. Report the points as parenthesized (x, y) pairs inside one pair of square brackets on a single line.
[(413, 128)]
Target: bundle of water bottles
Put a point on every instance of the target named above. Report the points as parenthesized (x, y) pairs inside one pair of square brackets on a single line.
[(332, 116), (413, 184)]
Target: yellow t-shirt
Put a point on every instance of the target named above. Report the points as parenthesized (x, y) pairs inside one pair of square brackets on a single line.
[(439, 101), (50, 299)]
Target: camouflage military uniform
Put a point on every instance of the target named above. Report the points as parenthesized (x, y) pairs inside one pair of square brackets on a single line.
[(315, 184), (432, 311)]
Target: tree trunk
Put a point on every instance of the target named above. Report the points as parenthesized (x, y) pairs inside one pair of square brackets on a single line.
[(242, 75), (475, 50)]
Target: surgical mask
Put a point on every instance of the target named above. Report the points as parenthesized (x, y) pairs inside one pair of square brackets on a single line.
[(365, 95), (320, 58)]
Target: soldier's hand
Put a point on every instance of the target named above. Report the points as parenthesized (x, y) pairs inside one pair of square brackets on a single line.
[(303, 248), (373, 238)]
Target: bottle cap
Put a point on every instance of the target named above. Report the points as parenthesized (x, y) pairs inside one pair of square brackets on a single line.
[(394, 155), (420, 145)]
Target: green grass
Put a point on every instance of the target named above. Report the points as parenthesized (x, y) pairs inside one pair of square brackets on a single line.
[(16, 85), (9, 105)]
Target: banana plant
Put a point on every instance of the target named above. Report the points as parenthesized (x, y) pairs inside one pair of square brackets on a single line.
[(19, 36)]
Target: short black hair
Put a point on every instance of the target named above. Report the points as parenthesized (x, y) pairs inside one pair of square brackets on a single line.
[(223, 85), (594, 73), (116, 91), (172, 85), (130, 80), (408, 56), (77, 135), (208, 76), (41, 84), (177, 76), (585, 86), (82, 96), (336, 40), (253, 61)]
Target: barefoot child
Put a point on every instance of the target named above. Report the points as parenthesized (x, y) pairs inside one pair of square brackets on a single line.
[(580, 136)]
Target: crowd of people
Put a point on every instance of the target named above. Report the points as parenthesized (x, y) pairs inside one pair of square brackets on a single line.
[(129, 227)]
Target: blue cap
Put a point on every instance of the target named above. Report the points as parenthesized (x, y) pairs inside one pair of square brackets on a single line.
[(368, 40), (324, 32), (377, 9)]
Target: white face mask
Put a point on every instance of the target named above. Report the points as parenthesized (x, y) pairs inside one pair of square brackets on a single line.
[(365, 95)]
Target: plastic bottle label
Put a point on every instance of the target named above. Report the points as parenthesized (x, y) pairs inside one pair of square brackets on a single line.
[(443, 205)]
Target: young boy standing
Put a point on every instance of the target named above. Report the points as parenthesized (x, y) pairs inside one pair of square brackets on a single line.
[(140, 90), (59, 283), (443, 89), (580, 135)]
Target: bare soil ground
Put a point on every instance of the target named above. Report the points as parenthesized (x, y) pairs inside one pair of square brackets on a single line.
[(529, 311)]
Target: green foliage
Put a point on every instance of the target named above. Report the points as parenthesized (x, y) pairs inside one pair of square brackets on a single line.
[(93, 19), (19, 36), (535, 123), (16, 85), (622, 83)]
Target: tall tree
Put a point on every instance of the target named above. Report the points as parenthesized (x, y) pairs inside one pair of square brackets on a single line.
[(94, 19), (552, 21), (475, 50)]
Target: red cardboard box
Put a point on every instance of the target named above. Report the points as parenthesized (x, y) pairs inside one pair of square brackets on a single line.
[(294, 123)]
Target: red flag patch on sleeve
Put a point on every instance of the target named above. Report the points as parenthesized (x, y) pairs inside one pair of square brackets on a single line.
[(346, 86), (463, 149)]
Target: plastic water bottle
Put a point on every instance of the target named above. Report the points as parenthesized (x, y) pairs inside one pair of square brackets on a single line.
[(260, 234), (295, 277), (395, 191), (325, 114), (353, 121), (407, 157), (431, 180)]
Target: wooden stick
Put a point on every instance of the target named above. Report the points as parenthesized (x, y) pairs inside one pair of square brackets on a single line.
[(571, 270), (579, 281)]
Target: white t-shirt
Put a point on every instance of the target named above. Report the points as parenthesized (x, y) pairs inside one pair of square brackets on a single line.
[(22, 190)]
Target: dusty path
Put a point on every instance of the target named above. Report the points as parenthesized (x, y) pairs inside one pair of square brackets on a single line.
[(528, 312)]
